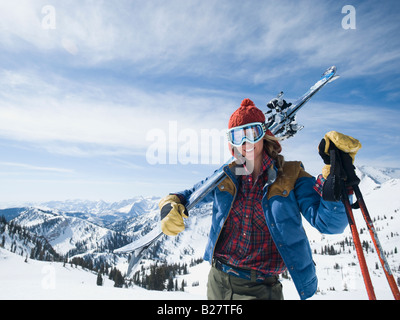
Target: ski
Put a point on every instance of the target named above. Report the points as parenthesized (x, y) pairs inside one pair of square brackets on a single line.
[(281, 122)]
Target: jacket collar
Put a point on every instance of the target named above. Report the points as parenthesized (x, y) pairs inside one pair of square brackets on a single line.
[(235, 170)]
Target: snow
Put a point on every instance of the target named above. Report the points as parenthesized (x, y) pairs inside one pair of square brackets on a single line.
[(36, 280)]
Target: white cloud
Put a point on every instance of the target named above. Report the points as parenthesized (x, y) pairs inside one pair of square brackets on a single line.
[(35, 168), (203, 37), (85, 120)]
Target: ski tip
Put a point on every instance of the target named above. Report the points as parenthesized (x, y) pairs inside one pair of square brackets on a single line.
[(331, 70)]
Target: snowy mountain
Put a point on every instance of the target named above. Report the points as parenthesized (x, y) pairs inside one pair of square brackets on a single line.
[(100, 212), (64, 233), (20, 241), (77, 226), (92, 229)]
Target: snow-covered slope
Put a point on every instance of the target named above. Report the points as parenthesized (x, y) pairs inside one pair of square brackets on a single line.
[(372, 178), (37, 280)]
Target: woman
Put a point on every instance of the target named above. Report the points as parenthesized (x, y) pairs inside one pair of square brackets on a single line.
[(256, 232)]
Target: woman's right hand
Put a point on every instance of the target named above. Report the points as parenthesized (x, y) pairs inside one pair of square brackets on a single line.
[(172, 214)]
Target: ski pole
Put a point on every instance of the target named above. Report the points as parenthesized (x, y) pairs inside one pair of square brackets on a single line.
[(357, 244), (351, 180), (341, 178), (377, 244)]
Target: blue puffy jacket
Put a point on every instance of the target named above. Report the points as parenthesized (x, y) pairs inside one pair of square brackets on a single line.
[(285, 196)]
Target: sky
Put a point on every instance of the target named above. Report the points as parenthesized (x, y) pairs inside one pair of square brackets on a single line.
[(116, 99)]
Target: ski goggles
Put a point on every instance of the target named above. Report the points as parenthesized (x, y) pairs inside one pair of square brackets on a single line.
[(251, 132)]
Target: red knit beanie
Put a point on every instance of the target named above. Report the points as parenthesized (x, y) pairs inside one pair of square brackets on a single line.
[(248, 113)]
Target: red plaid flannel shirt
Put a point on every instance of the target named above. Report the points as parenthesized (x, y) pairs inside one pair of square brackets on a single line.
[(245, 241)]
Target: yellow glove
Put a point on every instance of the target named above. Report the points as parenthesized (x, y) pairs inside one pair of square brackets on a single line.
[(326, 170), (172, 214), (343, 142)]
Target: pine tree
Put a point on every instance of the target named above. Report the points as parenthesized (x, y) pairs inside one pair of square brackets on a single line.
[(99, 281), (183, 285), (170, 285), (118, 279)]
